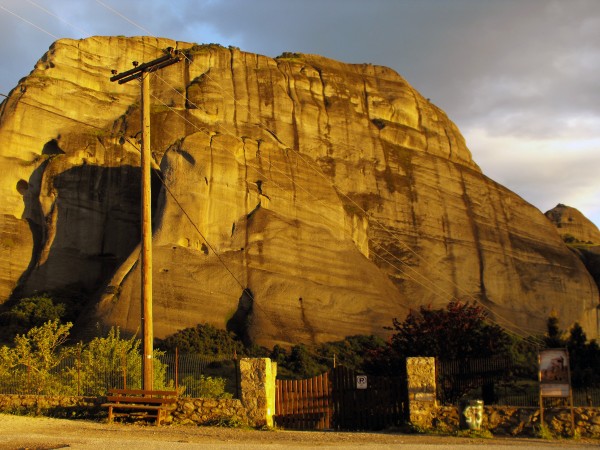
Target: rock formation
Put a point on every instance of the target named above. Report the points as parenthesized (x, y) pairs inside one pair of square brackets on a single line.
[(298, 199), (580, 234), (572, 225)]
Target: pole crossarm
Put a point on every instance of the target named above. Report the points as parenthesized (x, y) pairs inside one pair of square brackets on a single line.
[(172, 57)]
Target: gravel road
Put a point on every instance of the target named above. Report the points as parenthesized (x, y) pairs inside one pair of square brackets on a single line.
[(17, 432)]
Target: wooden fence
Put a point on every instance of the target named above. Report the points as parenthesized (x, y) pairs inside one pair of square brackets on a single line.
[(304, 404), (341, 400)]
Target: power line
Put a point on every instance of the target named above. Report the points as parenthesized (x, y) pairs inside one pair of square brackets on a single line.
[(50, 13), (255, 304), (319, 172), (28, 22), (124, 17), (375, 221), (447, 294)]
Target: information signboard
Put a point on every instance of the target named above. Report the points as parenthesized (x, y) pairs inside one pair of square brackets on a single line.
[(555, 378), (554, 373)]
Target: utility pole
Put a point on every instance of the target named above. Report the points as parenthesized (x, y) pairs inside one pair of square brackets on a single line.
[(142, 71)]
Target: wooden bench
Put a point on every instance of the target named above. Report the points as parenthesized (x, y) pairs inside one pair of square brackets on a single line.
[(138, 403)]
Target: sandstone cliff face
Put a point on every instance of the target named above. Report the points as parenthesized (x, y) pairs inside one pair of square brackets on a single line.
[(303, 200)]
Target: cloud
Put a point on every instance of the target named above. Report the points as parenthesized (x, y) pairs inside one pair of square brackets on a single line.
[(548, 172), (520, 75)]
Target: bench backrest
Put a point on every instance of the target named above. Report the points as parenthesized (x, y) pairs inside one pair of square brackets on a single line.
[(141, 393)]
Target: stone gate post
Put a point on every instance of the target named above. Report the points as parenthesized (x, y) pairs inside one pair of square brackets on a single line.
[(421, 390), (257, 389)]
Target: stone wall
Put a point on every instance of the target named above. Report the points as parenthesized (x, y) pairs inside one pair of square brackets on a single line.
[(524, 421), (55, 406), (198, 411), (424, 412), (255, 408), (208, 411)]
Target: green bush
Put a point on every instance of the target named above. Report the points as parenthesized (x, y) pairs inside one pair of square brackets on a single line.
[(204, 387), (31, 362), (39, 362)]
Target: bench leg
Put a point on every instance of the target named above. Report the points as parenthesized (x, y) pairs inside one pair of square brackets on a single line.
[(110, 414)]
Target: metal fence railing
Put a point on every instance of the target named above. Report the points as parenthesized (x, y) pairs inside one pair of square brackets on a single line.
[(499, 381), (192, 374)]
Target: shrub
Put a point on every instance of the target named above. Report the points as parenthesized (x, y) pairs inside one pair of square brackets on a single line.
[(205, 387)]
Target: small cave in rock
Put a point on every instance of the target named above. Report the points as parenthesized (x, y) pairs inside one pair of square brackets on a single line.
[(187, 156), (239, 324), (379, 123), (52, 148), (22, 187)]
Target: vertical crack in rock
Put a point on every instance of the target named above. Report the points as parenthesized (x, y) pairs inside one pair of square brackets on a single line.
[(447, 237), (476, 236), (306, 324), (233, 88), (326, 134), (420, 120), (450, 147)]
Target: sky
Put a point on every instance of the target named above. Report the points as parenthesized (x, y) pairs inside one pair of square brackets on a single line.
[(520, 78)]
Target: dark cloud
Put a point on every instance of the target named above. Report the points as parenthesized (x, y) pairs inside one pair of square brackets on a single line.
[(520, 72)]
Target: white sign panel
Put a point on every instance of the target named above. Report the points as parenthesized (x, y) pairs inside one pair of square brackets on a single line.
[(361, 381)]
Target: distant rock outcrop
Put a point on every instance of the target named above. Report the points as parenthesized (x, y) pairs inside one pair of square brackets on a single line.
[(297, 199), (572, 225), (580, 234)]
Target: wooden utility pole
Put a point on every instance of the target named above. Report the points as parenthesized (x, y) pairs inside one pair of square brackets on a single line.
[(142, 71)]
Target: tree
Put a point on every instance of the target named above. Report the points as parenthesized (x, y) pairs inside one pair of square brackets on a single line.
[(37, 353), (106, 362), (352, 351), (35, 311), (29, 312), (584, 358), (301, 363), (203, 339), (460, 330), (554, 337)]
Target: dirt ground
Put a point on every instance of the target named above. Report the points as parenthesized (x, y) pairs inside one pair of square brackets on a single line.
[(18, 432)]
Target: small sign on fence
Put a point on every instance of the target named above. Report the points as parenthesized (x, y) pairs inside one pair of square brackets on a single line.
[(361, 381)]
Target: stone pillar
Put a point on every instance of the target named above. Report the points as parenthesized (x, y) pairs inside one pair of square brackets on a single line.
[(257, 389), (421, 391)]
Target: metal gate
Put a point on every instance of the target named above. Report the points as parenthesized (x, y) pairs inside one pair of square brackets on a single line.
[(341, 399)]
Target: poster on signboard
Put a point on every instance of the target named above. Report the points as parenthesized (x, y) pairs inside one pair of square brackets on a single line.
[(554, 373), (555, 379)]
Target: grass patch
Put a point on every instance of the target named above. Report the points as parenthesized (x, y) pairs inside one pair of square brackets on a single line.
[(480, 434), (543, 432)]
